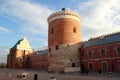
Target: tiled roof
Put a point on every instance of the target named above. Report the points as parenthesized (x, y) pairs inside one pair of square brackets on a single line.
[(107, 39)]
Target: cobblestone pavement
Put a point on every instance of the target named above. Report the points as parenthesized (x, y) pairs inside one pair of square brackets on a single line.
[(16, 74)]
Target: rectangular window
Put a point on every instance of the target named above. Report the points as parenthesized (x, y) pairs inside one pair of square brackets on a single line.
[(89, 54), (103, 53), (104, 65), (118, 51)]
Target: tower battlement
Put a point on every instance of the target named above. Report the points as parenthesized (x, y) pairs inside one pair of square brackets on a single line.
[(64, 13)]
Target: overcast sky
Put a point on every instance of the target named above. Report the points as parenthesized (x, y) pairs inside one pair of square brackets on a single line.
[(29, 17)]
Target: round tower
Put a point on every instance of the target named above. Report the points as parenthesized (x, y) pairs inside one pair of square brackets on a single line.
[(64, 28), (63, 31)]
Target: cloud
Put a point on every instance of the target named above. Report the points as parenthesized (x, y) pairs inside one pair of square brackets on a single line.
[(3, 54), (30, 16), (4, 30), (33, 17), (99, 17)]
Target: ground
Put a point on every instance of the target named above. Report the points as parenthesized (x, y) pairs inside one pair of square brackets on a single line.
[(15, 74)]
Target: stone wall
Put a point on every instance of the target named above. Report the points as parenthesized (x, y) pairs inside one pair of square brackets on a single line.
[(65, 56)]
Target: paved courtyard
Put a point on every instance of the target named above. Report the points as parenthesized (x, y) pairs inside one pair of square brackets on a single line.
[(15, 74)]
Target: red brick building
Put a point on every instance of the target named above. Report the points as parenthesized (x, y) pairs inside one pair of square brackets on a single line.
[(39, 60), (19, 54), (101, 53), (66, 51)]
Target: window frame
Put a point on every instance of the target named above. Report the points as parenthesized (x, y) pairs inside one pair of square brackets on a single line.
[(89, 55), (89, 65), (103, 53), (103, 66)]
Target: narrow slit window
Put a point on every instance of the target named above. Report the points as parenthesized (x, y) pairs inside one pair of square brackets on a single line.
[(57, 47)]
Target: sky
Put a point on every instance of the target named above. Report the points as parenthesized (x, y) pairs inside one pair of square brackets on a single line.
[(19, 18)]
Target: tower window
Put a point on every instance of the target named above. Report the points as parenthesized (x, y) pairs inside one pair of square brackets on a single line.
[(57, 47), (74, 30), (52, 31)]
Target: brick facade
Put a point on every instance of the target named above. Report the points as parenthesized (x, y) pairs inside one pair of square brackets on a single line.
[(19, 54), (103, 57), (39, 61)]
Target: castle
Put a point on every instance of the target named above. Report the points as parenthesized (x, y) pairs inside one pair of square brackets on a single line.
[(66, 51)]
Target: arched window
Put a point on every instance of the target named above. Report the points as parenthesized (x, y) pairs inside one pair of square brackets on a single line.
[(74, 30), (73, 64)]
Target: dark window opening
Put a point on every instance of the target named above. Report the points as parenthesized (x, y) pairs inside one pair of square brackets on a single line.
[(57, 47), (89, 54), (21, 60), (52, 31), (74, 30), (82, 67), (90, 66), (73, 64), (118, 51), (103, 52)]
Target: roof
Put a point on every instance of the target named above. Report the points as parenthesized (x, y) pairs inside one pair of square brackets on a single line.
[(42, 52), (101, 40), (18, 42)]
